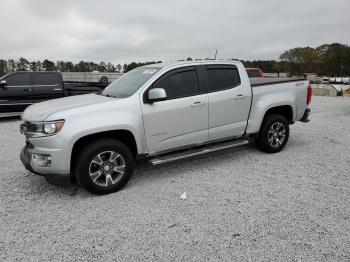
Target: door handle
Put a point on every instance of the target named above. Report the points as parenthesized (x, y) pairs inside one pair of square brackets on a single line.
[(195, 104), (240, 96), (27, 90)]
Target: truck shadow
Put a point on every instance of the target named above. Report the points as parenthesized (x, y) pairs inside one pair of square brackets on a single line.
[(144, 174), (178, 169)]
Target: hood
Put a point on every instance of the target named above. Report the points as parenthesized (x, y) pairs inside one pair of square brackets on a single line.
[(40, 111)]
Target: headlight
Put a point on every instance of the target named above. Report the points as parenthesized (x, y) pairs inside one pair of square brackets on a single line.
[(40, 129)]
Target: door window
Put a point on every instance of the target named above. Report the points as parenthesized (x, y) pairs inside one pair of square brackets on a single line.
[(45, 79), (18, 79), (181, 84), (221, 78)]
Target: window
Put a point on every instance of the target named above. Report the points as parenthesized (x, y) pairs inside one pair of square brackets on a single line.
[(45, 79), (181, 84), (18, 79), (130, 82), (221, 78)]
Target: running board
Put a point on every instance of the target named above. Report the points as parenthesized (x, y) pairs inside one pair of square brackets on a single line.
[(196, 152)]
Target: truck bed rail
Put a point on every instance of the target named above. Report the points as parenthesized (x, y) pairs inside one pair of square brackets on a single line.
[(273, 80)]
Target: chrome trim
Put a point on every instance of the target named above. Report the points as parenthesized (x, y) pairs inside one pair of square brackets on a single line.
[(16, 104), (10, 114), (31, 85)]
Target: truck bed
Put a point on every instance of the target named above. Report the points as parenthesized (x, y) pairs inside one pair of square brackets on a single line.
[(273, 80), (275, 92)]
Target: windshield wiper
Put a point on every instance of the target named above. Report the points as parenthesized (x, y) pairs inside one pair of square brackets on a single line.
[(102, 94), (108, 95)]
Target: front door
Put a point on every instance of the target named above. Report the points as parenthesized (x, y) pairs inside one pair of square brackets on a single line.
[(16, 94), (182, 119)]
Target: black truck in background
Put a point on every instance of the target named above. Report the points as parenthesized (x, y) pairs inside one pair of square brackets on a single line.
[(19, 90)]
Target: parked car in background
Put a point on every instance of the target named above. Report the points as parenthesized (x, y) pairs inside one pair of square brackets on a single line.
[(346, 80), (332, 80), (255, 72), (324, 80), (339, 80), (21, 89), (156, 114)]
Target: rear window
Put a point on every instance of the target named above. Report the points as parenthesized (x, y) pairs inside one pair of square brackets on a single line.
[(221, 78), (18, 79), (45, 79)]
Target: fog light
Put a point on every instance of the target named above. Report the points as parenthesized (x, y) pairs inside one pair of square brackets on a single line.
[(42, 160)]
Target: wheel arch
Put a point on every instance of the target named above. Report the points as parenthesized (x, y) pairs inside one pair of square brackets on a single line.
[(284, 110), (121, 135)]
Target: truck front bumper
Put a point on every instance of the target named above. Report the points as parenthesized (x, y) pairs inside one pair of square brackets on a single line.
[(53, 178)]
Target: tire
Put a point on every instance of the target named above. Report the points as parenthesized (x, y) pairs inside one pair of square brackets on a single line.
[(104, 166), (273, 134)]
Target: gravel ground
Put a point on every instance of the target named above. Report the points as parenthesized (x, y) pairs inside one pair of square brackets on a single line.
[(242, 205)]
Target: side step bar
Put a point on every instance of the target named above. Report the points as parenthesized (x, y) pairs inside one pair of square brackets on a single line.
[(196, 152)]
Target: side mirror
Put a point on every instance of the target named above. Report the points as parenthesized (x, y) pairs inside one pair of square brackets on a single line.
[(156, 94), (2, 83)]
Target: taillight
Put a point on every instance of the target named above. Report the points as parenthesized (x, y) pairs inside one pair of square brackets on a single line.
[(309, 95)]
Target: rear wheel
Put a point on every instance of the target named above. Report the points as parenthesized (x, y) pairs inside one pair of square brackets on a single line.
[(104, 166), (273, 134)]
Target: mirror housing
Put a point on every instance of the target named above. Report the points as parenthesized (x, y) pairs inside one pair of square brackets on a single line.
[(156, 95), (2, 83)]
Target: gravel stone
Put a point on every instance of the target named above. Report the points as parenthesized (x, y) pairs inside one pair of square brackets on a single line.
[(242, 205)]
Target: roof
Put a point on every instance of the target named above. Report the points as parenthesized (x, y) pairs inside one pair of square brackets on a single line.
[(197, 62)]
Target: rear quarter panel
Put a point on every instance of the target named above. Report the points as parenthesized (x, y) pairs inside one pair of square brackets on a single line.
[(265, 97)]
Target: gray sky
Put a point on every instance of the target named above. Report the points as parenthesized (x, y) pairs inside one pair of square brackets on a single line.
[(125, 31)]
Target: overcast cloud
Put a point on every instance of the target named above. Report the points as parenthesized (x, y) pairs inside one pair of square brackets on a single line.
[(125, 31)]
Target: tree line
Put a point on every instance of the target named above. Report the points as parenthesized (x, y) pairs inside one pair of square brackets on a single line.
[(328, 59), (22, 64)]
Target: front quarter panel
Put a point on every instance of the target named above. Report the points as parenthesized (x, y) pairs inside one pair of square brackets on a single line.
[(123, 114)]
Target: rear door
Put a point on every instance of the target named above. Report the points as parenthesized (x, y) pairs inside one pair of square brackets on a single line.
[(229, 102), (15, 95), (46, 85), (182, 119)]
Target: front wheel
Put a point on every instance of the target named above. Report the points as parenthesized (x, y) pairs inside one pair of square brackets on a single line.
[(104, 166), (273, 134)]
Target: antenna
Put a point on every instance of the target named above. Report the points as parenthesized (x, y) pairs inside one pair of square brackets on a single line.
[(216, 53)]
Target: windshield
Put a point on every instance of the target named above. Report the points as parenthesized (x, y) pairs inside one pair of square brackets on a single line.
[(130, 82)]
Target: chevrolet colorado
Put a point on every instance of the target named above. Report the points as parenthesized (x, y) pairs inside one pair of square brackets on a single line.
[(159, 113)]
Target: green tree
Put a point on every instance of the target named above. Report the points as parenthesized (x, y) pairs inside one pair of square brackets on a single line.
[(22, 64), (33, 66), (38, 65), (11, 65), (125, 67), (301, 60), (335, 59), (3, 67), (48, 65), (110, 67), (102, 67)]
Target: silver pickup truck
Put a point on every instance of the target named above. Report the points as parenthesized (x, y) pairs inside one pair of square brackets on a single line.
[(157, 114)]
